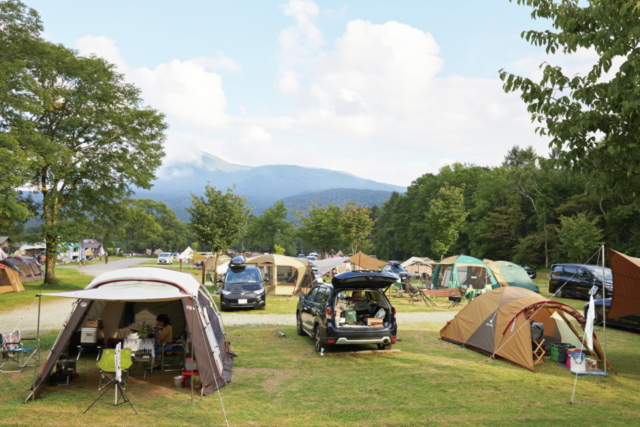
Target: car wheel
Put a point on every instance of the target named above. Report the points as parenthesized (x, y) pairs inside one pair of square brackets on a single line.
[(299, 326), (598, 295), (560, 293), (318, 339), (384, 346)]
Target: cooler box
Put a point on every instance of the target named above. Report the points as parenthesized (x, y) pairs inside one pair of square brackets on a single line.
[(375, 322), (89, 336)]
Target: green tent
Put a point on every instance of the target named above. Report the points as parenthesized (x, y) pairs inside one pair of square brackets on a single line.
[(463, 271), (510, 274)]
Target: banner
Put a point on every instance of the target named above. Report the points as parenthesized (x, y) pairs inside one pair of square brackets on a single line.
[(117, 361), (588, 329)]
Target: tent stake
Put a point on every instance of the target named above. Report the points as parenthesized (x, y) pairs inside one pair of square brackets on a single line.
[(604, 314)]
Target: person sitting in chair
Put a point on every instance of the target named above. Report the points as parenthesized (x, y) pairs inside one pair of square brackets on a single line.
[(360, 303), (164, 333)]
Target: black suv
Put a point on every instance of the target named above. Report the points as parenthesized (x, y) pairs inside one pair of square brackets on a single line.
[(243, 286), (575, 281), (394, 267), (353, 309)]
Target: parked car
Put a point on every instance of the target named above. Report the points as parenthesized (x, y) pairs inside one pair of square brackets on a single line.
[(575, 281), (394, 267), (316, 255), (243, 286), (530, 271), (311, 258), (301, 256), (353, 309), (165, 258), (627, 322)]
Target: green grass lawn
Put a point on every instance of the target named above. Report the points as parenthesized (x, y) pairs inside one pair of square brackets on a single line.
[(283, 382), (68, 280)]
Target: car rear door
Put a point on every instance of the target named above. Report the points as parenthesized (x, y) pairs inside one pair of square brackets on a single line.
[(320, 301), (306, 313), (569, 279)]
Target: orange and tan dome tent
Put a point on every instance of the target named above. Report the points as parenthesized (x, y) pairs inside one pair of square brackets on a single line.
[(496, 322)]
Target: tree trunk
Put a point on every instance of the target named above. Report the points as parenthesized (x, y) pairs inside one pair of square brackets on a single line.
[(546, 247), (50, 240), (215, 270)]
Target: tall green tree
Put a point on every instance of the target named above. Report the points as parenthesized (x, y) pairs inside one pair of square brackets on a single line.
[(355, 225), (218, 219), (86, 134), (319, 227), (593, 118), (579, 237), (152, 225), (444, 218), (272, 228)]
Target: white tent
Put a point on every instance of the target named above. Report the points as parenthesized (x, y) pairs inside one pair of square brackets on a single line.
[(326, 265), (187, 254), (152, 290), (2, 254)]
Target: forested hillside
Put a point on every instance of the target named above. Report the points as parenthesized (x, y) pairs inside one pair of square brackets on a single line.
[(524, 210)]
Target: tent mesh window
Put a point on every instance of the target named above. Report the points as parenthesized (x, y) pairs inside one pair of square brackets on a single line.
[(473, 276)]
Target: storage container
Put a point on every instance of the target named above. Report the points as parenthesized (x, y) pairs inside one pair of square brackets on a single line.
[(89, 336), (350, 316), (94, 323), (577, 362), (190, 365)]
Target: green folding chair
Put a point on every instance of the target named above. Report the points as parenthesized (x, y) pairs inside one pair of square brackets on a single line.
[(107, 366), (12, 348)]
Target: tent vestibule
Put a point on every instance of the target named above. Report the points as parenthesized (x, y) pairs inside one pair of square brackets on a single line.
[(9, 280), (285, 275), (124, 298)]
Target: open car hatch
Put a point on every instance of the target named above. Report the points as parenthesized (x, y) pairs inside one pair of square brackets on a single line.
[(364, 280)]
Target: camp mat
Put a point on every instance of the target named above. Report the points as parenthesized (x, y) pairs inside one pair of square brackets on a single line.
[(597, 372)]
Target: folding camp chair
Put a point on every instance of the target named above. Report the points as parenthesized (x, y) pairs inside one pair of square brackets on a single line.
[(416, 295), (538, 351), (107, 365), (13, 349), (177, 346)]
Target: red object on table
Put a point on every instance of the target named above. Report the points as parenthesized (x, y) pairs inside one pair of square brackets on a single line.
[(113, 342)]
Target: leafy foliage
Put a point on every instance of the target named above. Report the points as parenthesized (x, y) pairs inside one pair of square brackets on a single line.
[(593, 119), (218, 219), (355, 225), (443, 219), (78, 130), (579, 236), (319, 227)]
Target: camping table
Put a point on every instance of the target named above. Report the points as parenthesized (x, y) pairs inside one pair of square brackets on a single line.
[(144, 350)]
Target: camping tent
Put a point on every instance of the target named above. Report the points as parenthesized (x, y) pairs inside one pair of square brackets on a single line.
[(9, 280), (510, 274), (626, 290), (326, 265), (286, 275), (200, 256), (144, 293), (210, 261), (187, 254), (496, 322), (463, 271), (26, 267), (365, 262), (418, 266)]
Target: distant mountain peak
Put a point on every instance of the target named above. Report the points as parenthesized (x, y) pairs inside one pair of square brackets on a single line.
[(213, 163)]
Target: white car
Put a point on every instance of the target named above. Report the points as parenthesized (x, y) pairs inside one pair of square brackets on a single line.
[(165, 258)]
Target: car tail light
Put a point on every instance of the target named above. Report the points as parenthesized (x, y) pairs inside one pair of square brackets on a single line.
[(331, 341), (394, 311), (328, 311), (393, 339)]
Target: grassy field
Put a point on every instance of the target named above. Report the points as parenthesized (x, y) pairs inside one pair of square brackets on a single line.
[(68, 280), (283, 382)]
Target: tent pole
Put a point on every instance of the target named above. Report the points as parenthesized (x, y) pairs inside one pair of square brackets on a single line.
[(604, 314), (33, 394), (192, 359)]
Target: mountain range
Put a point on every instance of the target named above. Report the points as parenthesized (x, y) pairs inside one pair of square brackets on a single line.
[(264, 185)]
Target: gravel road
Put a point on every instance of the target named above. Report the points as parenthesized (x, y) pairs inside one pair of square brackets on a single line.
[(55, 310)]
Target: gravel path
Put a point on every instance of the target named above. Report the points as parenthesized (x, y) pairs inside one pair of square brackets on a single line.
[(98, 269), (238, 319)]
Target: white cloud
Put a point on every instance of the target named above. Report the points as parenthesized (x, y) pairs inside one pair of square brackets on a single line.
[(185, 91), (222, 62), (103, 47)]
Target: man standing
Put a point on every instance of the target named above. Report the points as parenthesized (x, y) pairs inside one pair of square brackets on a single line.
[(106, 257)]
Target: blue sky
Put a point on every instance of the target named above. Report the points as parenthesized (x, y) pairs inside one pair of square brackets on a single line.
[(387, 90)]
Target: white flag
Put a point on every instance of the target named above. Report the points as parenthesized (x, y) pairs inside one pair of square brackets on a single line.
[(588, 330), (117, 361)]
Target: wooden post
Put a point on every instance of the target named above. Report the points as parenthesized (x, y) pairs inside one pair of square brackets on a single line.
[(202, 267)]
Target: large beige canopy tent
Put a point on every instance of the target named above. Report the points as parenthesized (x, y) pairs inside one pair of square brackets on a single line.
[(285, 275), (210, 262), (496, 322), (365, 262), (9, 280), (116, 295)]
